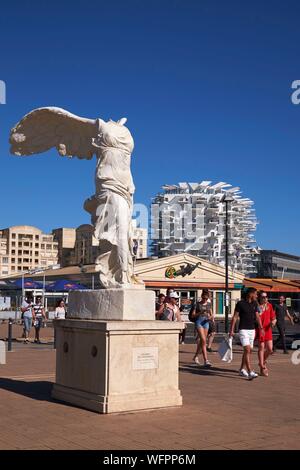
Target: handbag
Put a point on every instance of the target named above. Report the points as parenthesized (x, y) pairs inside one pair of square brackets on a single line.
[(192, 318), (225, 349)]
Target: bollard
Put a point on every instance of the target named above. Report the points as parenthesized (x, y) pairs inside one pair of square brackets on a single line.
[(2, 353), (54, 342), (9, 340)]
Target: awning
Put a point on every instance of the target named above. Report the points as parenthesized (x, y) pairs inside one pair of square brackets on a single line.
[(28, 284), (63, 285), (273, 285)]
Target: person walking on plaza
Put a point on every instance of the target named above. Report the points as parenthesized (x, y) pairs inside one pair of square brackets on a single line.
[(28, 316), (265, 342), (211, 333), (39, 313), (246, 311), (202, 313), (60, 311), (170, 310), (281, 312), (183, 332), (159, 303)]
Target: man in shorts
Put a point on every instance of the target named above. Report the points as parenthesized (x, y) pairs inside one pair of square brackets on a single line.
[(247, 312), (40, 316), (211, 334)]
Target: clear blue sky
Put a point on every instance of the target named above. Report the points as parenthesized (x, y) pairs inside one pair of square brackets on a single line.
[(205, 85)]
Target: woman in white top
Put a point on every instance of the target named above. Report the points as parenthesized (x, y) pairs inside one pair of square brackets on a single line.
[(60, 311)]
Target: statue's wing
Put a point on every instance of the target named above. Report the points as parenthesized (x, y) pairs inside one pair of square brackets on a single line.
[(44, 128)]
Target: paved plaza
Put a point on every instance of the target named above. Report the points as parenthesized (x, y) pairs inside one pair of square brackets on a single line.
[(220, 409)]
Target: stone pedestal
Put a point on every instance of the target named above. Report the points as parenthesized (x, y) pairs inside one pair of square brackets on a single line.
[(112, 366), (116, 366)]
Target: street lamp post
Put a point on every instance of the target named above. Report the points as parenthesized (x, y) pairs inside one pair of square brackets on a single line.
[(227, 199)]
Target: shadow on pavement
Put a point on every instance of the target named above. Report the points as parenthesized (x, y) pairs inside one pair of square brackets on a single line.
[(212, 371), (35, 390)]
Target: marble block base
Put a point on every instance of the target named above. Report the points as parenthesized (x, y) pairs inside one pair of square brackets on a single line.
[(112, 304), (117, 366)]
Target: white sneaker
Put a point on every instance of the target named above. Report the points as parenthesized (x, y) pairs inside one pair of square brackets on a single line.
[(196, 360), (243, 373), (182, 342), (207, 364), (252, 375)]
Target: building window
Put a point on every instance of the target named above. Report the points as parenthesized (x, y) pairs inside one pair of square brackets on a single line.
[(13, 252), (20, 252), (13, 244), (13, 260), (36, 245), (5, 260), (37, 237), (19, 261), (13, 235), (48, 247), (36, 261), (42, 246), (13, 268), (19, 268)]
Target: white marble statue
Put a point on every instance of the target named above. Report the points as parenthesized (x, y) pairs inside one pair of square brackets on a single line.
[(111, 206)]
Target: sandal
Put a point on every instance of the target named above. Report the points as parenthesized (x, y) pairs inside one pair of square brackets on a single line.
[(264, 372)]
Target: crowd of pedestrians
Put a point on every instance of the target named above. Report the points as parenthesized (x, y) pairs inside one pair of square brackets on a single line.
[(256, 318), (34, 315)]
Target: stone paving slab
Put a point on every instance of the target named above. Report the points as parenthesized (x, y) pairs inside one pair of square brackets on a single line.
[(221, 410)]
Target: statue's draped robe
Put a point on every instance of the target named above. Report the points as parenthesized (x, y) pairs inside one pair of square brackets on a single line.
[(111, 207)]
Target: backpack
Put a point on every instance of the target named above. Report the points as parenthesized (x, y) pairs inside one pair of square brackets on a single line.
[(168, 314)]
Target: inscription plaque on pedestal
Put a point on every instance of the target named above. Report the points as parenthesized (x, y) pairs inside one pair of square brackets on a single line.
[(145, 358)]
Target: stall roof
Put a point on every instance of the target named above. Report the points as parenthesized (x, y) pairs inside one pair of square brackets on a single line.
[(273, 285)]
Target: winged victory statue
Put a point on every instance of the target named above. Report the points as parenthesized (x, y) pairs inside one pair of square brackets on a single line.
[(111, 206)]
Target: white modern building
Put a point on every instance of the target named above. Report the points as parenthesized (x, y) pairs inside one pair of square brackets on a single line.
[(190, 218)]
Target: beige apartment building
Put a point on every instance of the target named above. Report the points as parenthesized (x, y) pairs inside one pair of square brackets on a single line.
[(24, 248), (76, 245), (66, 238), (86, 248), (79, 246)]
